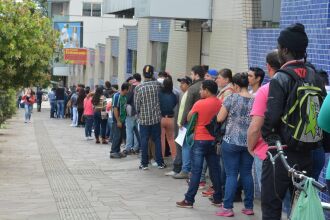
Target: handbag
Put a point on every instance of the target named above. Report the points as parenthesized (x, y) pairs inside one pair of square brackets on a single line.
[(104, 115), (308, 206)]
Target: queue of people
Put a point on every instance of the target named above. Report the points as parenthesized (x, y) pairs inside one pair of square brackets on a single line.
[(230, 121)]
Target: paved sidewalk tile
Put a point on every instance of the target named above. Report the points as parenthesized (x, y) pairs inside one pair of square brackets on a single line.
[(48, 171)]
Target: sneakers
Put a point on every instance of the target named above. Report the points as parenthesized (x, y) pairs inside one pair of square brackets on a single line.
[(115, 156), (90, 138), (247, 211), (181, 175), (225, 212), (143, 167), (215, 203), (162, 166), (184, 204), (171, 173), (208, 193), (202, 185)]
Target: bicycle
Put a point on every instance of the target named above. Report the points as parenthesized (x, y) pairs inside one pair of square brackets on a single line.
[(298, 177)]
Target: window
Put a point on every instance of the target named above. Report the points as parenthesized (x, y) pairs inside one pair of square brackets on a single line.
[(270, 13), (329, 14), (159, 55), (131, 61), (92, 9)]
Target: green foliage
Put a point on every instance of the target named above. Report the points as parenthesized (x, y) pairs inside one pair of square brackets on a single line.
[(7, 104), (26, 45)]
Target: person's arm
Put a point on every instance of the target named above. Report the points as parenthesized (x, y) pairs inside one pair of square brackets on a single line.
[(222, 115), (116, 114), (137, 100), (188, 105), (254, 132), (275, 106), (194, 110)]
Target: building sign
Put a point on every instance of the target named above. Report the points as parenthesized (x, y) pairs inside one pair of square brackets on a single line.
[(75, 55), (70, 34)]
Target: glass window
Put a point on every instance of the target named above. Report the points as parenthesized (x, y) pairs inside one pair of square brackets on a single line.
[(87, 9), (92, 9), (96, 10)]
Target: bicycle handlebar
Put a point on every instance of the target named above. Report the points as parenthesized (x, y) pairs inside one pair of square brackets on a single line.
[(293, 172)]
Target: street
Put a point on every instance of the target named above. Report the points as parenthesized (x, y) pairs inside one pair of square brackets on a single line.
[(48, 171)]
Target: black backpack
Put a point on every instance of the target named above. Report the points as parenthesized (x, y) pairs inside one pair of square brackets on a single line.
[(301, 131)]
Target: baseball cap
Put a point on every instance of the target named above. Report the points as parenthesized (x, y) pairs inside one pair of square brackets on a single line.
[(213, 73), (186, 80)]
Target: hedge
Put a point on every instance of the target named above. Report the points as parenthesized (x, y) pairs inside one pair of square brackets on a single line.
[(7, 104)]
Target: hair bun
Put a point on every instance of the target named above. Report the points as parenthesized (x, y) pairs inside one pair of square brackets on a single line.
[(297, 27)]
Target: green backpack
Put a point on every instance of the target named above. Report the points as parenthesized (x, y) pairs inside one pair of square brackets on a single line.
[(191, 130), (301, 130)]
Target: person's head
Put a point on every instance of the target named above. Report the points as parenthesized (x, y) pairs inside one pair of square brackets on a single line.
[(137, 77), (148, 71), (185, 83), (208, 89), (197, 72), (211, 74), (324, 76), (29, 91), (256, 76), (87, 90), (225, 76), (292, 43), (97, 96), (125, 88), (240, 81), (130, 80), (167, 85), (272, 63), (107, 85)]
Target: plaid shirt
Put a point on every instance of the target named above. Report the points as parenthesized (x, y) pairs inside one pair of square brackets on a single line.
[(146, 102)]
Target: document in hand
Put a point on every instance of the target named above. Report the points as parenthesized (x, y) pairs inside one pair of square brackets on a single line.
[(181, 136)]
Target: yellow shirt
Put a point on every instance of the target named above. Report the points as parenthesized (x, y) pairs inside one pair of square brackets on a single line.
[(182, 105)]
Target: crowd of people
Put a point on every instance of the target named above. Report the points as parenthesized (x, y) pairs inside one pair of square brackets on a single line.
[(229, 121)]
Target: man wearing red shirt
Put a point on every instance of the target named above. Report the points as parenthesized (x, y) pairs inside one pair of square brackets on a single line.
[(206, 108)]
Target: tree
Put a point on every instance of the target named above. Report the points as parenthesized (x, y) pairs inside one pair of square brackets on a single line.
[(26, 44)]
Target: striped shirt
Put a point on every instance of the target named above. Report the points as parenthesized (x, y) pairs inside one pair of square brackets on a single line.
[(146, 102)]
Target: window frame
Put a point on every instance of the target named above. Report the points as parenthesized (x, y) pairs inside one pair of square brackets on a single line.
[(91, 12)]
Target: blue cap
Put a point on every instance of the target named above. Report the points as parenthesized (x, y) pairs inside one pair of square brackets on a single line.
[(213, 72)]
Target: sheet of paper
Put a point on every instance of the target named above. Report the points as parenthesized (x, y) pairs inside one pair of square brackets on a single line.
[(181, 136)]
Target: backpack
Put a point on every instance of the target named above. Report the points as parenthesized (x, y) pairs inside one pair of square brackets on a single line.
[(301, 130)]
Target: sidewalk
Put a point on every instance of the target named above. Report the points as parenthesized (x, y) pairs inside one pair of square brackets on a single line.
[(48, 171)]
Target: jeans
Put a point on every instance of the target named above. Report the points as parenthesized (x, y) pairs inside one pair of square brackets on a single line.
[(28, 111), (199, 151), (89, 119), (108, 133), (258, 168), (131, 139), (203, 176), (177, 163), (80, 114), (60, 108), (186, 162), (52, 108), (145, 132), (117, 135), (318, 162), (237, 160), (273, 190), (74, 116), (100, 125), (39, 105)]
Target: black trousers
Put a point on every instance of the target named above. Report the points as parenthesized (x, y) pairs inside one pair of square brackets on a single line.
[(273, 190)]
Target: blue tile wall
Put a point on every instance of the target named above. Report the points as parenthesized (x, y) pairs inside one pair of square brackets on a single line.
[(159, 30), (115, 47), (132, 39), (315, 15)]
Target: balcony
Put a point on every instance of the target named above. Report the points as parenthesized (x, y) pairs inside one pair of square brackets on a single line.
[(176, 9), (117, 6)]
